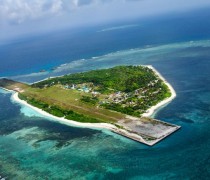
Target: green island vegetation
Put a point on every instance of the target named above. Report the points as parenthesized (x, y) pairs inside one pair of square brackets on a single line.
[(127, 89), (105, 95)]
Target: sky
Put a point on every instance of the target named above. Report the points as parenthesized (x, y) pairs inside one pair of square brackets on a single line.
[(25, 17)]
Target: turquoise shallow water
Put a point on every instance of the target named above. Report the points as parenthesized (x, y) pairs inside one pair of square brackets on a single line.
[(33, 147)]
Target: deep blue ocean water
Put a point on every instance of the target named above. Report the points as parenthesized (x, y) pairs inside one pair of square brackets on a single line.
[(34, 147)]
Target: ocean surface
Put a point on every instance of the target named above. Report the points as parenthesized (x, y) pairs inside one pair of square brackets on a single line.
[(35, 147)]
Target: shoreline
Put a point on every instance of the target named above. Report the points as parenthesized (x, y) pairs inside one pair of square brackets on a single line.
[(101, 126), (154, 108), (62, 119), (6, 89), (98, 126)]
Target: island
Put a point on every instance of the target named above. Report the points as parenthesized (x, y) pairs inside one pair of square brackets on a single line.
[(120, 99)]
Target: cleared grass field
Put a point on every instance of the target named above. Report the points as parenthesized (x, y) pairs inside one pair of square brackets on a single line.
[(59, 101), (70, 100)]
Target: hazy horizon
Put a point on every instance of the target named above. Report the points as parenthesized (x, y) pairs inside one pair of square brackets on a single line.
[(24, 18)]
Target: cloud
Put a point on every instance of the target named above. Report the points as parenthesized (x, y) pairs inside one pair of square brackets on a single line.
[(83, 2), (18, 11), (28, 16)]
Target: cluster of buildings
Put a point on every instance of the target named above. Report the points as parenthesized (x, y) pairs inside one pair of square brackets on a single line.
[(126, 99), (132, 98), (85, 87)]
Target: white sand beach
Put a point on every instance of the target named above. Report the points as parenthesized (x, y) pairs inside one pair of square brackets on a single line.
[(62, 119), (152, 109), (111, 127), (82, 125), (6, 89)]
